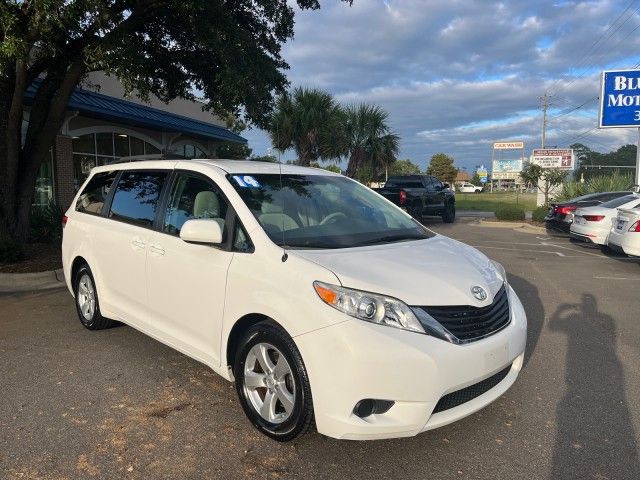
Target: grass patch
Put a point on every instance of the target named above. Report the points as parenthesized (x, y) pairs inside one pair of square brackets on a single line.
[(490, 202)]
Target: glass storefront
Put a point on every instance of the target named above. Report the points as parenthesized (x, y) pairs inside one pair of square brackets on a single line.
[(102, 148), (44, 184), (188, 150)]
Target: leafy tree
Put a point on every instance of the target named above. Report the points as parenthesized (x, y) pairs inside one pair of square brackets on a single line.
[(403, 167), (234, 150), (230, 51), (310, 122), (442, 168), (545, 179), (370, 143), (475, 179)]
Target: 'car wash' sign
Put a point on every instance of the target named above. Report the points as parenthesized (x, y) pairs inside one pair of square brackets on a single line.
[(620, 99)]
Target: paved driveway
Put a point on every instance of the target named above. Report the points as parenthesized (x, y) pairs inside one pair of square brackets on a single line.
[(117, 404)]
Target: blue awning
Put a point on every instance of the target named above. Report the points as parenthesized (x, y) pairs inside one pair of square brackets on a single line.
[(117, 110)]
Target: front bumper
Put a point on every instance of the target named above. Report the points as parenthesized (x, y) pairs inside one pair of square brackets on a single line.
[(355, 360)]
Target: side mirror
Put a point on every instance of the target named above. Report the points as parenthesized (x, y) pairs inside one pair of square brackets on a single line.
[(204, 230)]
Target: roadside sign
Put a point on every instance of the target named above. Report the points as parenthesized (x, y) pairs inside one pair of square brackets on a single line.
[(561, 158), (507, 165), (620, 104), (510, 145), (482, 173), (620, 99)]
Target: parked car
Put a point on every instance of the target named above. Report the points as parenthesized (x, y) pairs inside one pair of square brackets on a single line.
[(323, 301), (421, 196), (625, 232), (560, 216), (469, 188), (593, 224)]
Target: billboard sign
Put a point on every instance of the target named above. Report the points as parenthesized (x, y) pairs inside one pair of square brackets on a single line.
[(509, 145), (561, 158), (482, 173), (507, 166), (620, 99)]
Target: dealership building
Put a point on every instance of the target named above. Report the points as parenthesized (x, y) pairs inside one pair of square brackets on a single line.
[(102, 126)]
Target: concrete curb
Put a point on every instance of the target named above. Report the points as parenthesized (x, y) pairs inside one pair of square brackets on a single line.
[(28, 282), (512, 225)]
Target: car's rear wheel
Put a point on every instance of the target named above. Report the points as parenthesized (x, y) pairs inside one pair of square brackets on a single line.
[(87, 303), (272, 383), (449, 214)]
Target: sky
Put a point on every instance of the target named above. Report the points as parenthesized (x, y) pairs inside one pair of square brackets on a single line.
[(456, 75)]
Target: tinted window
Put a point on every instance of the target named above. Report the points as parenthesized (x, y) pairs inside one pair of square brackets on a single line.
[(136, 197), (241, 242), (610, 196), (616, 202), (95, 193), (318, 211), (193, 197)]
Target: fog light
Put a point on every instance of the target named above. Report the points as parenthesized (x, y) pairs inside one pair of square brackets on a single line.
[(371, 406)]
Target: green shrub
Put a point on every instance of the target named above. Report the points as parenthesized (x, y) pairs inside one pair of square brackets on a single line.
[(46, 223), (10, 251), (539, 214), (510, 212), (614, 182)]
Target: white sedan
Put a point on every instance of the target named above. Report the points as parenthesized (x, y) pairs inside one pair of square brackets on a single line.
[(469, 188), (593, 224), (625, 232)]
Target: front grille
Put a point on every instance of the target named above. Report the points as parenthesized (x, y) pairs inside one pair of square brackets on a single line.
[(469, 323), (467, 394)]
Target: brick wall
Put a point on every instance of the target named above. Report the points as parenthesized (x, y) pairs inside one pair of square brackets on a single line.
[(63, 169)]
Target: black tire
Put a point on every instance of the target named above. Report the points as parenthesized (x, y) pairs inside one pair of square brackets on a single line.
[(95, 321), (449, 214), (301, 418)]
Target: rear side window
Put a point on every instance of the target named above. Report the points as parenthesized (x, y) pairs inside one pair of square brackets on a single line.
[(92, 198), (136, 197)]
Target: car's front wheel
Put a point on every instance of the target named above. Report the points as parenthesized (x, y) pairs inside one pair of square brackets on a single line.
[(272, 383), (449, 214)]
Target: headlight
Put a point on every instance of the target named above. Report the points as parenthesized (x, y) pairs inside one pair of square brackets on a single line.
[(370, 307)]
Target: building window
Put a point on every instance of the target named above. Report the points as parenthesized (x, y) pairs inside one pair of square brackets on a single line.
[(44, 183), (102, 148), (188, 150)]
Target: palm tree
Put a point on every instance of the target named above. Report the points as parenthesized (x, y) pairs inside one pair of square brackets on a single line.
[(309, 121), (370, 143)]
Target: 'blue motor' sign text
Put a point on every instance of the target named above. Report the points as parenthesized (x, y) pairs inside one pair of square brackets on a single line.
[(620, 99)]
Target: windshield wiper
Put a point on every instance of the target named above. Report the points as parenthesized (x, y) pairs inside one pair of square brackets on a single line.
[(392, 238)]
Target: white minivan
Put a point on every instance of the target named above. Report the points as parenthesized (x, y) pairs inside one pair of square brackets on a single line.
[(326, 303)]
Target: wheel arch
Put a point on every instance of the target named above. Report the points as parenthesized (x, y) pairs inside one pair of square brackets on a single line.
[(78, 261), (239, 328)]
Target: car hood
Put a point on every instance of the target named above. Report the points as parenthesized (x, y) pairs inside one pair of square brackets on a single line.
[(434, 271)]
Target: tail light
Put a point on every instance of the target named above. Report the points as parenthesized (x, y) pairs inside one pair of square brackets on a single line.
[(565, 209), (635, 227), (403, 197), (593, 218), (64, 220)]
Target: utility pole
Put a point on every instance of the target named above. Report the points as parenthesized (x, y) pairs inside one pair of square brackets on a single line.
[(544, 105)]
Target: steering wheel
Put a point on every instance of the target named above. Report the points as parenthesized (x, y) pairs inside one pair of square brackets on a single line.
[(332, 218)]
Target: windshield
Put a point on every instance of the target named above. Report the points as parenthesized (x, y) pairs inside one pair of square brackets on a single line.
[(616, 202), (318, 211)]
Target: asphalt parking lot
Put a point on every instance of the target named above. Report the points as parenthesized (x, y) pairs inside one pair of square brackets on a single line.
[(117, 404)]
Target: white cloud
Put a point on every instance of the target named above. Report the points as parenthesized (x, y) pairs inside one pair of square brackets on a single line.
[(457, 75)]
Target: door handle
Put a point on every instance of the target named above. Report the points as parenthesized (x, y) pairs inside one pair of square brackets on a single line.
[(157, 249), (139, 243)]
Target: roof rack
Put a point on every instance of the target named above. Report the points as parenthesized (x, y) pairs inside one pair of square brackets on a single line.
[(155, 156)]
